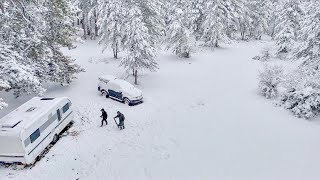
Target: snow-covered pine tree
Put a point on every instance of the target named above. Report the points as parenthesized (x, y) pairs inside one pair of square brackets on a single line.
[(199, 7), (4, 84), (140, 41), (93, 19), (16, 73), (151, 13), (111, 24), (237, 13), (273, 20), (134, 26), (31, 34), (289, 24), (244, 20), (58, 32), (181, 27), (92, 24), (224, 19), (16, 39), (88, 17), (219, 20), (260, 12), (309, 49)]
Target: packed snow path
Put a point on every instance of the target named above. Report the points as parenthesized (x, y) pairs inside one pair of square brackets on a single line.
[(202, 119)]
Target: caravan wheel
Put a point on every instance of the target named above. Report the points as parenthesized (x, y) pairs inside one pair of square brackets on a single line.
[(55, 138), (38, 158)]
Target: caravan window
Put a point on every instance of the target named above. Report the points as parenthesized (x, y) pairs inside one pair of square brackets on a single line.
[(59, 115), (65, 108), (50, 120), (34, 135)]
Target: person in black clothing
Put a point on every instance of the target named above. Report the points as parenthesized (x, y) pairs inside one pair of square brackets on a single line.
[(104, 117), (121, 120)]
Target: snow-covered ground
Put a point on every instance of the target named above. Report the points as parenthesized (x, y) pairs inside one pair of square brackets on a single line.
[(202, 119)]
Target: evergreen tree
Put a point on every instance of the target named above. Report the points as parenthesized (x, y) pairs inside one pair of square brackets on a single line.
[(18, 37), (111, 24), (289, 25), (89, 17), (181, 28), (273, 21), (31, 34), (199, 7), (309, 48), (245, 21), (141, 38), (220, 20), (260, 12), (237, 10), (93, 19)]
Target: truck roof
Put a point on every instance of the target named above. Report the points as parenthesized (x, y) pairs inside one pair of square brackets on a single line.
[(123, 84), (26, 114), (107, 77)]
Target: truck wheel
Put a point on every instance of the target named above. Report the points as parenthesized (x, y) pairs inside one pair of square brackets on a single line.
[(126, 101), (55, 138), (104, 93)]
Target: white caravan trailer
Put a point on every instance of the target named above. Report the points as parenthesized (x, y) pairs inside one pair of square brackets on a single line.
[(29, 129)]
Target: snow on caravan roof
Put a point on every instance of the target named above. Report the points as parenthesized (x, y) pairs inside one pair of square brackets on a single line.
[(26, 115)]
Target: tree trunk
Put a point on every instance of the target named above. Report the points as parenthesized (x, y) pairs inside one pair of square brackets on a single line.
[(1, 7), (78, 20), (272, 31), (88, 31), (187, 54), (242, 35), (115, 51), (84, 27), (96, 29), (272, 34), (136, 77), (216, 44), (92, 29)]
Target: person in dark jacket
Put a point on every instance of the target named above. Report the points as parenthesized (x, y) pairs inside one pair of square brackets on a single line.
[(104, 117), (121, 120)]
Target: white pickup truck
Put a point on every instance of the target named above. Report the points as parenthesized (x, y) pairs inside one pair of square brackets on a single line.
[(120, 90)]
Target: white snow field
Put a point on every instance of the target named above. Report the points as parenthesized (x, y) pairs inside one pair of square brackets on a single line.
[(202, 119)]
